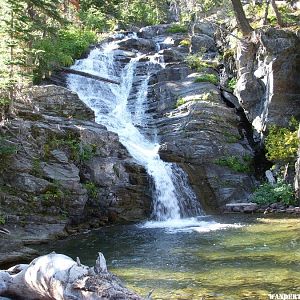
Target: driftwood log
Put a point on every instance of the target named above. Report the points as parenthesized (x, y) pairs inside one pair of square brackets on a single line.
[(84, 74), (59, 277)]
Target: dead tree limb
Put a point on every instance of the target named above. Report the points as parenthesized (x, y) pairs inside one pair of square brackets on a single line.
[(57, 276), (92, 76)]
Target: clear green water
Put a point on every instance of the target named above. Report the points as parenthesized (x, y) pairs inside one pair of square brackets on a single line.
[(249, 262)]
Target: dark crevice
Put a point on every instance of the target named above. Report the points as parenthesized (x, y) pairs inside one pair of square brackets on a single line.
[(260, 162)]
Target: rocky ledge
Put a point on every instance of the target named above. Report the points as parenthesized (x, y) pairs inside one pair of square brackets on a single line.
[(250, 207), (61, 172)]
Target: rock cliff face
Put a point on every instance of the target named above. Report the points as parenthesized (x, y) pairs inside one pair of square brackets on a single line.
[(268, 68), (196, 128), (65, 170)]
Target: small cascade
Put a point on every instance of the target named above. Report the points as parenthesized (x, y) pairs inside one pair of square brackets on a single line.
[(173, 197)]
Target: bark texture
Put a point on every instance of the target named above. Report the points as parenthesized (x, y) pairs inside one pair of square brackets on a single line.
[(59, 277)]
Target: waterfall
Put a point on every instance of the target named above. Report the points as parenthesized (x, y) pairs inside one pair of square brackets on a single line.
[(172, 199)]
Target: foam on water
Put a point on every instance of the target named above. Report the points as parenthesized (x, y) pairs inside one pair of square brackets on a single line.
[(197, 224)]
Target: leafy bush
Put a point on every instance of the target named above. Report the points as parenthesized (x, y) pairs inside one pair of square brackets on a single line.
[(140, 12), (92, 189), (94, 19), (177, 28), (232, 83), (185, 43), (2, 220), (282, 143), (212, 78), (53, 52), (280, 192), (53, 194), (78, 151), (238, 164), (196, 62), (180, 102)]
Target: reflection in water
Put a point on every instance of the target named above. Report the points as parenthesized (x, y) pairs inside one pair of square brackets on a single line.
[(237, 262)]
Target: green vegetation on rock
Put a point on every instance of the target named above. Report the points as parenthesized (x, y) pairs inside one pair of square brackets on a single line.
[(282, 143), (279, 192), (241, 164), (61, 50), (212, 78), (177, 28), (196, 62), (232, 83), (92, 189), (7, 149), (185, 43)]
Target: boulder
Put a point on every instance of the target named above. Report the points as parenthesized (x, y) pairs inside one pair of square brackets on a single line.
[(203, 43), (140, 44), (206, 28)]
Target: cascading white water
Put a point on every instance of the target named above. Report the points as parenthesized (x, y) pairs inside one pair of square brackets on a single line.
[(110, 103)]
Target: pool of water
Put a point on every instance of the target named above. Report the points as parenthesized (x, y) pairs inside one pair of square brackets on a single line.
[(229, 257)]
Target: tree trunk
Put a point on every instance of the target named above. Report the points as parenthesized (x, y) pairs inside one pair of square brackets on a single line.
[(57, 276), (266, 12), (277, 13), (84, 74), (242, 21)]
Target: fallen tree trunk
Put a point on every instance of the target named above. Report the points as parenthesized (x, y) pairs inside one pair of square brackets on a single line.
[(84, 74), (59, 277)]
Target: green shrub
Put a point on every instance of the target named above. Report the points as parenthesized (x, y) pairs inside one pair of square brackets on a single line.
[(94, 19), (280, 192), (2, 220), (53, 52), (196, 62), (6, 149), (177, 28), (282, 143), (239, 164), (212, 78), (180, 102), (92, 189), (204, 97), (78, 151), (53, 194), (228, 53), (4, 102), (37, 168), (232, 83), (185, 43)]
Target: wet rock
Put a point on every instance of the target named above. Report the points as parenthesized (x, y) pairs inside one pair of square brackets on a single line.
[(196, 128)]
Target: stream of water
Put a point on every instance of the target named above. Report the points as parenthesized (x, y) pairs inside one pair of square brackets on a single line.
[(173, 197), (181, 253)]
